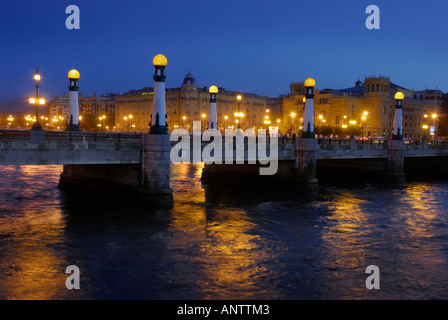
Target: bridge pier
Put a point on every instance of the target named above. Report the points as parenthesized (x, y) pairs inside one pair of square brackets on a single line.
[(156, 169), (306, 161), (395, 161), (147, 181)]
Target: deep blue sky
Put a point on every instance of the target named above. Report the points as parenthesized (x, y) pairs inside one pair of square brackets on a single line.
[(253, 46)]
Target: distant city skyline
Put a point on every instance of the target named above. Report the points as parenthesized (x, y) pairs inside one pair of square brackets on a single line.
[(254, 46)]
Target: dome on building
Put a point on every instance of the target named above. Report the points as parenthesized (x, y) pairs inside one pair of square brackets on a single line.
[(189, 80)]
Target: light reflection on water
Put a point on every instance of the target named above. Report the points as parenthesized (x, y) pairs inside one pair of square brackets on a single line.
[(221, 243)]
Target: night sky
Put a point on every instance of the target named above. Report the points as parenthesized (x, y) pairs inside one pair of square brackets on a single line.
[(253, 46)]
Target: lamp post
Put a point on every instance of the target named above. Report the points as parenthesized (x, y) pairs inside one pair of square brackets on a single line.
[(435, 126), (293, 126), (238, 98), (308, 111), (398, 119), (364, 124), (158, 117), (73, 102), (36, 100), (352, 124), (202, 121), (212, 117)]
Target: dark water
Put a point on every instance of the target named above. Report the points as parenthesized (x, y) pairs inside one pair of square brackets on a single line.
[(222, 244)]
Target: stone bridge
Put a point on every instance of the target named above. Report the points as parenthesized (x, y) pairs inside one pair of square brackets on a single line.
[(139, 164)]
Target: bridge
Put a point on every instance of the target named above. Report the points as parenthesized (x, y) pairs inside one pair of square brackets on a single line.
[(139, 164)]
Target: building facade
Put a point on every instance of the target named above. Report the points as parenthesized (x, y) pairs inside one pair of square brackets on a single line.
[(368, 107), (96, 112), (190, 103)]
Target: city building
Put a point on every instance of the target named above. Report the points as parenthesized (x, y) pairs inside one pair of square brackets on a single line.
[(189, 103), (96, 112), (368, 108)]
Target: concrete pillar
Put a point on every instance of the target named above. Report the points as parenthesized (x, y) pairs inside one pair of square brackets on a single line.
[(395, 161), (213, 117), (396, 147), (307, 144), (73, 102), (307, 159), (156, 145), (156, 169)]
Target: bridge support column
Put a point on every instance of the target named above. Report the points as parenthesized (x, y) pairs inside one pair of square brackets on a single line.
[(157, 145), (396, 147), (156, 169), (307, 145), (395, 161), (306, 162)]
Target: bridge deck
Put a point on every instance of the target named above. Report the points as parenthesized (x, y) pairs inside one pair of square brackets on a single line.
[(116, 148)]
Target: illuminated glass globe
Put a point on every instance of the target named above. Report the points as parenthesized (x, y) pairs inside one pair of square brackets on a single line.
[(213, 89), (160, 61), (310, 82), (73, 74), (399, 96)]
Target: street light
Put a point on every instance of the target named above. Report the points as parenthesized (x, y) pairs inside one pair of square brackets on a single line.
[(202, 120), (434, 123), (293, 125), (239, 98), (37, 101), (398, 118), (352, 123)]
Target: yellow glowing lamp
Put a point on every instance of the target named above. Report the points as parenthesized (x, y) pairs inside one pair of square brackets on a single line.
[(310, 82), (434, 116), (32, 101), (160, 61), (41, 101), (399, 96), (239, 97), (37, 77), (304, 100), (73, 74), (213, 89), (293, 114)]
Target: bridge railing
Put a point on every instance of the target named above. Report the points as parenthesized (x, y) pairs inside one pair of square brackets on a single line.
[(14, 135), (91, 136), (23, 135)]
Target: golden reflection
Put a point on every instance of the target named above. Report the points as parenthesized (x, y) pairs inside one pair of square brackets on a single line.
[(34, 267), (225, 251), (344, 245)]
